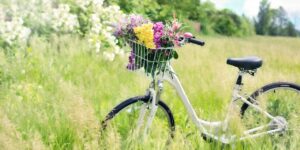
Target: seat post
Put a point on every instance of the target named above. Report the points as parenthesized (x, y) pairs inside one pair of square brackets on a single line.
[(240, 78), (238, 86), (237, 89)]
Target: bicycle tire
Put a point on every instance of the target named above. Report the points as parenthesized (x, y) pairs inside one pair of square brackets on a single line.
[(267, 88), (144, 99)]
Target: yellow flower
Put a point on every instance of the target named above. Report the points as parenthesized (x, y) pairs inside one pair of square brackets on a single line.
[(145, 35)]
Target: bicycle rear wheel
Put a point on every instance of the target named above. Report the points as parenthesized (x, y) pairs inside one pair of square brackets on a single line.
[(122, 121), (281, 100)]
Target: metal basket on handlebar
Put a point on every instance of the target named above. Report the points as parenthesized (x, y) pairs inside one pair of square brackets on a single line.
[(153, 61)]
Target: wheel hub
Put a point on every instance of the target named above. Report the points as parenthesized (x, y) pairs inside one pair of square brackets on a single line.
[(279, 122)]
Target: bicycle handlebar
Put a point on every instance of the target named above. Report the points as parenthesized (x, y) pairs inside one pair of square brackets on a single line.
[(192, 40), (196, 41)]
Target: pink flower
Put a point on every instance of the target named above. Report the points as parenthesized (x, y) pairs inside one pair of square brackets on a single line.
[(176, 25), (176, 39), (188, 35), (170, 33), (176, 42)]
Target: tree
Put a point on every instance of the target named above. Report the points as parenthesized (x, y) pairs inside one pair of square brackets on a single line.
[(206, 11), (291, 30), (274, 22), (226, 22), (264, 17), (279, 22)]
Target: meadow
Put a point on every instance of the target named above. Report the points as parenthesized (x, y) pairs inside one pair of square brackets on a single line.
[(54, 94)]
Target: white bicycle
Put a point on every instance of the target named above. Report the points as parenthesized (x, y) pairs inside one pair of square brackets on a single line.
[(272, 109)]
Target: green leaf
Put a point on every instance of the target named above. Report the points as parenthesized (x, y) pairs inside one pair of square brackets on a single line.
[(175, 55)]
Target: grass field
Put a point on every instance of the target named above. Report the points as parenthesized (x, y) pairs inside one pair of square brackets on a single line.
[(55, 99)]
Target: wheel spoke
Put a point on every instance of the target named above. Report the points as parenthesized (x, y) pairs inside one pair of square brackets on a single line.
[(129, 123), (284, 105)]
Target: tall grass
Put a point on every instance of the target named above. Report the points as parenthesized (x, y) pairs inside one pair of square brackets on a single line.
[(55, 99)]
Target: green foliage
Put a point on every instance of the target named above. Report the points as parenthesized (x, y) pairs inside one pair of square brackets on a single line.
[(263, 18), (205, 12), (83, 18), (211, 20), (274, 22), (291, 30), (227, 23), (146, 7)]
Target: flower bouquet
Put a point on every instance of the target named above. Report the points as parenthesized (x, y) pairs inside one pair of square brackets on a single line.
[(152, 43)]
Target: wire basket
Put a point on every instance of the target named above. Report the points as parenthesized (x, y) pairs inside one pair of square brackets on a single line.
[(153, 61)]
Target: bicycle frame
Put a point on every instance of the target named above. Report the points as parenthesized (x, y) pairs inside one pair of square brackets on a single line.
[(201, 124)]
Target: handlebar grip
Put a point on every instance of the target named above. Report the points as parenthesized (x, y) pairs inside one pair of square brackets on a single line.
[(196, 41)]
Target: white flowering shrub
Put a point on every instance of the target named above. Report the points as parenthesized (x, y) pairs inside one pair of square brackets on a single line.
[(13, 33), (99, 20), (62, 20), (87, 18), (35, 13)]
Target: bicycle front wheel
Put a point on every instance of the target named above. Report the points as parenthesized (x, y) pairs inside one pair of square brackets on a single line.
[(282, 101), (126, 122)]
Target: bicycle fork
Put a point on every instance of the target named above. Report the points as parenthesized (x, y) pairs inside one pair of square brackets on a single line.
[(155, 96)]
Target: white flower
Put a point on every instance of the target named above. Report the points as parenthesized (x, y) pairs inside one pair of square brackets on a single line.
[(98, 46), (109, 56), (119, 51), (97, 2), (42, 14), (62, 20), (13, 31), (95, 18), (64, 7), (83, 3), (90, 40), (24, 34), (71, 22)]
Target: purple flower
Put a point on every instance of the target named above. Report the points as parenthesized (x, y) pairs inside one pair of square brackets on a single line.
[(131, 57), (136, 20), (158, 28), (125, 26), (118, 31), (131, 65)]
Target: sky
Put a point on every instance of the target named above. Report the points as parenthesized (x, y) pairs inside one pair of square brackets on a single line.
[(250, 7)]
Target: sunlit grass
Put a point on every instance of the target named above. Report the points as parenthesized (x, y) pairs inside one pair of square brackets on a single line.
[(56, 98)]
